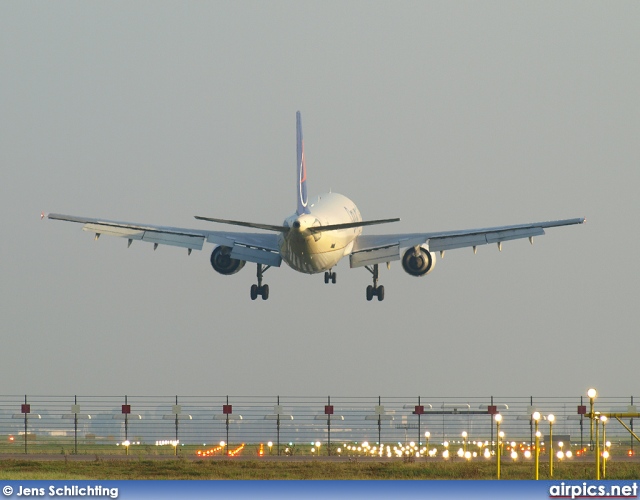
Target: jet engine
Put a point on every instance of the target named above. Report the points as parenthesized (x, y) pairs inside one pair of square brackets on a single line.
[(222, 262), (418, 261)]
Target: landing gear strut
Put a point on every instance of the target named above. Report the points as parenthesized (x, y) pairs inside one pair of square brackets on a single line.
[(260, 289), (330, 276), (375, 290)]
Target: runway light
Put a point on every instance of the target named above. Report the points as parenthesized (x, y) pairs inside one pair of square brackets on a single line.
[(233, 453)]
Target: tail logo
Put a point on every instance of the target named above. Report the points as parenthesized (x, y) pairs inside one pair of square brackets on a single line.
[(302, 184), (302, 169)]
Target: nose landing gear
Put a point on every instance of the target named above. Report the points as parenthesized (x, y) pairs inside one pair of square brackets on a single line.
[(375, 290), (260, 289)]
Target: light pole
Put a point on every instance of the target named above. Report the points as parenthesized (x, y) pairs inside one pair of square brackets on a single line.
[(551, 418), (597, 417), (427, 435), (498, 419), (605, 453), (591, 393), (536, 418)]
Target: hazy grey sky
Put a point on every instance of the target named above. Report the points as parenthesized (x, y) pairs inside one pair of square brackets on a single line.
[(449, 115)]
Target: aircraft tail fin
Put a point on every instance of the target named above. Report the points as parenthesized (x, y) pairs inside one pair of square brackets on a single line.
[(303, 200)]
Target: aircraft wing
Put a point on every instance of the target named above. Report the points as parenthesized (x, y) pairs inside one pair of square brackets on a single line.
[(252, 247), (374, 249)]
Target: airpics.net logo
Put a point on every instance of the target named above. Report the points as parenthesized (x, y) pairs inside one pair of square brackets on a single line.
[(586, 490)]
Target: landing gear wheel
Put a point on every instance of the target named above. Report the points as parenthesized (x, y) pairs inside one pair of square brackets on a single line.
[(374, 290), (260, 289), (329, 277)]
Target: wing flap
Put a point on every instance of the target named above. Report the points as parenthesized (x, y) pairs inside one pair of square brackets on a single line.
[(176, 240), (255, 240), (160, 237), (438, 244), (514, 234), (256, 255), (251, 247), (123, 232), (451, 242), (375, 256)]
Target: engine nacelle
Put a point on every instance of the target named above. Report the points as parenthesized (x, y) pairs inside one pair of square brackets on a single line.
[(420, 264), (222, 262)]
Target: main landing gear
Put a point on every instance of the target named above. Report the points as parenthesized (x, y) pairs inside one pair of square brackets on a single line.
[(330, 276), (375, 290), (260, 289)]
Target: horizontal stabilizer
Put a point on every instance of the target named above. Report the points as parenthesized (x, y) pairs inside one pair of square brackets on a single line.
[(284, 229), (267, 227), (348, 225)]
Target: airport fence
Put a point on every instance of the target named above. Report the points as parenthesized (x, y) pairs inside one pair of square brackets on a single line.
[(175, 424)]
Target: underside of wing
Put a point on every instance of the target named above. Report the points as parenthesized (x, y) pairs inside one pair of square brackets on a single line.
[(252, 247), (373, 249)]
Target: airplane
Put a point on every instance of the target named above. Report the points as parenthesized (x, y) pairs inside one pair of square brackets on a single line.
[(315, 238)]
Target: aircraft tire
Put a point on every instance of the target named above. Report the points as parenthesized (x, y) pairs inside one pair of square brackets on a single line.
[(369, 292), (254, 292), (380, 293), (265, 292), (333, 278), (326, 278)]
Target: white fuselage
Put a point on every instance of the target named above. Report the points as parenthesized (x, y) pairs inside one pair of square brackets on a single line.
[(317, 252)]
